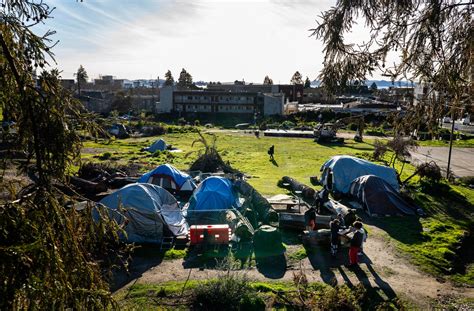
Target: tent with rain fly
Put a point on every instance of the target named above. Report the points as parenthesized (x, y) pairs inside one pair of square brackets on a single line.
[(148, 211), (159, 145), (379, 198), (210, 201), (339, 171), (170, 178)]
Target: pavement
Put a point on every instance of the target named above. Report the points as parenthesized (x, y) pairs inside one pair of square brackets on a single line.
[(462, 159)]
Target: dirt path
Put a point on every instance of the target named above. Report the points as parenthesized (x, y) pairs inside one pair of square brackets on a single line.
[(382, 269)]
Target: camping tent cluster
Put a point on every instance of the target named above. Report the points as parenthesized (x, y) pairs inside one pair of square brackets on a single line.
[(375, 186), (150, 212)]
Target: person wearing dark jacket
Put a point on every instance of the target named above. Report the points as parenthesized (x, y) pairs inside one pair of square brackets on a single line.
[(271, 152), (356, 243), (335, 226)]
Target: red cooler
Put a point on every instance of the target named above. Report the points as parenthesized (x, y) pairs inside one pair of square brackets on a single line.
[(211, 234)]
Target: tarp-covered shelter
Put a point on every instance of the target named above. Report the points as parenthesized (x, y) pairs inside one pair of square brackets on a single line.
[(213, 197), (339, 171), (378, 197), (170, 178), (150, 213), (159, 145)]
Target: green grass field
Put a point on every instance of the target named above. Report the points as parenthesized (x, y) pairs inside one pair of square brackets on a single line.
[(297, 158), (430, 242)]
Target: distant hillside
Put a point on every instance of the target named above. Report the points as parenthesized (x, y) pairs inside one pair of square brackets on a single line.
[(381, 84)]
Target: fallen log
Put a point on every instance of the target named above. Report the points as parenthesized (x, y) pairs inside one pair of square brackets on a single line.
[(264, 210), (86, 187), (293, 185), (119, 182)]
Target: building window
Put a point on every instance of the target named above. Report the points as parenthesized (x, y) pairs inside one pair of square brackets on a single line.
[(190, 97), (189, 106)]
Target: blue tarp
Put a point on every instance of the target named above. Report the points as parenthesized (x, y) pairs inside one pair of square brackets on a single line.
[(159, 145), (346, 168), (214, 193), (148, 209), (179, 177)]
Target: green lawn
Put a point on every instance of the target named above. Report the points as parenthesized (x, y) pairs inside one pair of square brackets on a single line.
[(430, 242), (297, 158)]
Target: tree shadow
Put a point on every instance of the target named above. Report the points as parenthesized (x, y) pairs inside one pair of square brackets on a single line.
[(405, 229), (272, 267), (210, 257), (274, 162), (144, 257)]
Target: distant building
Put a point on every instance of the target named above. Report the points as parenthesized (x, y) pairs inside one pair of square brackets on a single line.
[(218, 101), (96, 100), (292, 93)]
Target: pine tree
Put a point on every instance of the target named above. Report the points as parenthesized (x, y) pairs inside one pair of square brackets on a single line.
[(169, 80), (267, 81), (297, 78)]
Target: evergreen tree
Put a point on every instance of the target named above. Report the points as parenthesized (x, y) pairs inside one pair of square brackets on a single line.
[(267, 81), (373, 87), (169, 80), (81, 76), (185, 79), (433, 40), (297, 78), (307, 83)]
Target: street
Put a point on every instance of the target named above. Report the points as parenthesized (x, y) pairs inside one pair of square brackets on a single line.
[(462, 159)]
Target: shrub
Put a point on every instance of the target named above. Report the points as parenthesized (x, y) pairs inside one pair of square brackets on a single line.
[(352, 127), (197, 123), (105, 156), (229, 292)]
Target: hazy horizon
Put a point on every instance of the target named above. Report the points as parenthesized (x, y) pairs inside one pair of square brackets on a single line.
[(213, 40)]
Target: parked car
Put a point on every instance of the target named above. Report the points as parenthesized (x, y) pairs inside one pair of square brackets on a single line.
[(447, 120)]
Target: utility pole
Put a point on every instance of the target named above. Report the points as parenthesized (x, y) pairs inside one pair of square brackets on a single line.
[(450, 145)]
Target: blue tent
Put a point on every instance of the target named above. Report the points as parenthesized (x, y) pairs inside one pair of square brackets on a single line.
[(339, 172), (214, 193), (146, 210), (182, 180), (159, 145)]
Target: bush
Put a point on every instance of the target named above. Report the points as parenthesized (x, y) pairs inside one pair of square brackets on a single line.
[(197, 123), (230, 292), (105, 156), (467, 180), (352, 127)]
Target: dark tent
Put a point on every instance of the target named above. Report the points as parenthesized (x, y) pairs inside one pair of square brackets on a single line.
[(378, 197)]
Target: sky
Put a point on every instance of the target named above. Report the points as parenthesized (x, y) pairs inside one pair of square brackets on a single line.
[(214, 40)]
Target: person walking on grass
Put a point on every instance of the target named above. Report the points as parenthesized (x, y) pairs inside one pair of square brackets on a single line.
[(356, 243), (271, 152)]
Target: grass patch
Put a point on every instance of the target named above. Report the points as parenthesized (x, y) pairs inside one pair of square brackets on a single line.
[(464, 143), (175, 254), (298, 158), (236, 292), (433, 242), (298, 254)]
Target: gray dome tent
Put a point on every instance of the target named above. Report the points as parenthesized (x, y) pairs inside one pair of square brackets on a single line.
[(151, 212), (379, 198)]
